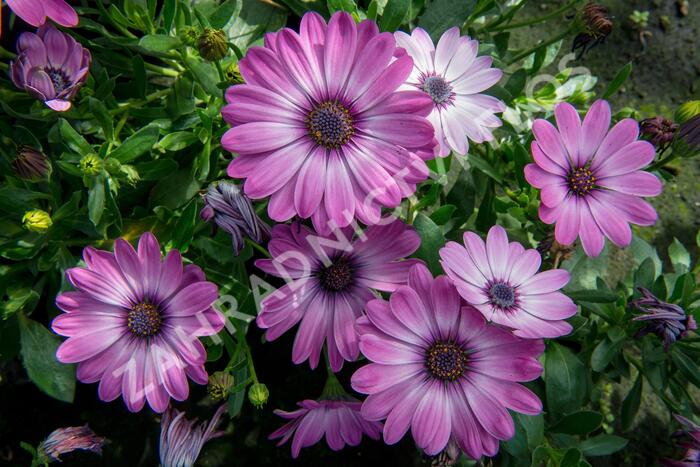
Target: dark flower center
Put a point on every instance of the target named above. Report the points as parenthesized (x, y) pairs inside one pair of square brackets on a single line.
[(502, 295), (446, 361), (144, 320), (437, 88), (60, 81), (336, 277), (581, 181), (330, 124)]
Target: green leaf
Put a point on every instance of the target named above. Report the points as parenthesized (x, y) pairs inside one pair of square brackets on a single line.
[(571, 458), (101, 114), (72, 139), (603, 354), (602, 445), (630, 405), (680, 258), (485, 167), (440, 15), (159, 43), (618, 80), (39, 358), (185, 227), (592, 296), (96, 200), (223, 14), (516, 82), (137, 144), (686, 365), (565, 379), (432, 240), (443, 214), (155, 170), (394, 14), (644, 275), (178, 140), (578, 423)]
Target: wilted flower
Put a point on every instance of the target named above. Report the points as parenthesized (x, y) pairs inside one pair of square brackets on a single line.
[(37, 221), (91, 165), (212, 44), (258, 395), (232, 211), (687, 111), (69, 439), (592, 177), (658, 130), (596, 26), (133, 322), (338, 419), (31, 164), (219, 385), (35, 12), (51, 66), (667, 320), (320, 126), (453, 76), (690, 441), (329, 281), (438, 368), (181, 440)]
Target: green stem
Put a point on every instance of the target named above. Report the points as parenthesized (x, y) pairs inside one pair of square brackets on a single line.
[(249, 356), (260, 248), (222, 76), (663, 161), (116, 25), (149, 98), (534, 49), (6, 54), (161, 70), (541, 19)]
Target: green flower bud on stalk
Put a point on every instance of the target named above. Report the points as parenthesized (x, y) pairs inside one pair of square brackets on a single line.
[(37, 221), (189, 35), (91, 165), (687, 111), (219, 385), (258, 394), (212, 44)]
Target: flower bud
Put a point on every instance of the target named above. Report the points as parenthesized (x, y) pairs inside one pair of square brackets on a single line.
[(31, 164), (658, 130), (189, 35), (233, 74), (258, 394), (668, 321), (37, 221), (219, 385), (595, 25), (91, 165), (69, 439), (212, 44), (687, 111)]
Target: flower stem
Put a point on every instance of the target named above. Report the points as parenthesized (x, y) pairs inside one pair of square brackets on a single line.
[(162, 70), (6, 53), (541, 19), (249, 357), (663, 161), (260, 248), (534, 49)]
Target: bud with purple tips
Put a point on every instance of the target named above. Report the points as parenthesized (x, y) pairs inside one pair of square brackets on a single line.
[(230, 209), (666, 320), (31, 164), (690, 441), (658, 130), (181, 440), (69, 439), (51, 66)]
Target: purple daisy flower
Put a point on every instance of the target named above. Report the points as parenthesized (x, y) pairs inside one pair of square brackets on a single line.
[(51, 66), (339, 420), (339, 140), (181, 440), (453, 76), (133, 323), (439, 369), (330, 278), (35, 12), (500, 279), (591, 178)]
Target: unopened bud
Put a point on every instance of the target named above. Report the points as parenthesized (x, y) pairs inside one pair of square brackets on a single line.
[(687, 111), (258, 394), (233, 74), (37, 221), (31, 164), (212, 44), (219, 385), (91, 165)]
